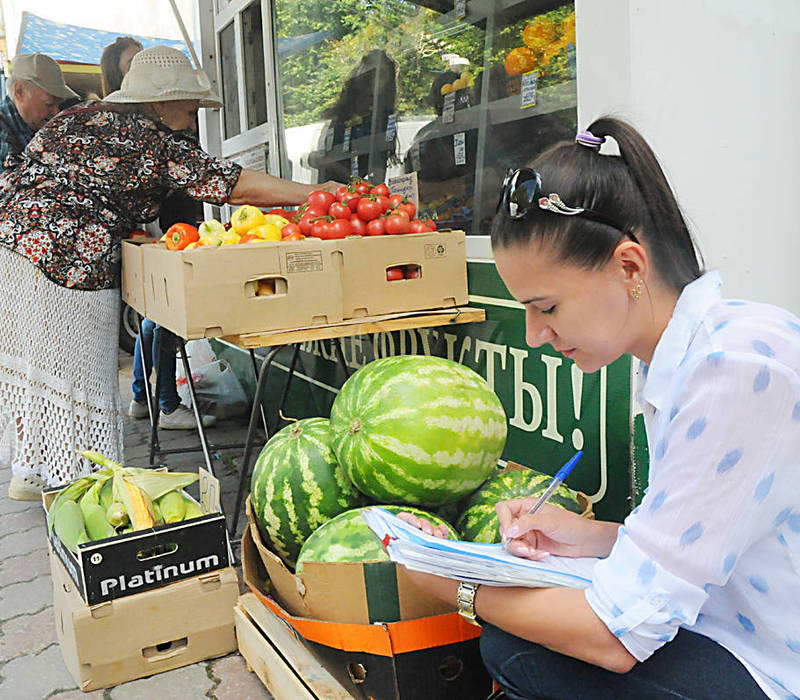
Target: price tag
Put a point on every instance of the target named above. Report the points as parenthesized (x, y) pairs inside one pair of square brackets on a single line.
[(449, 108), (346, 142), (329, 139), (406, 185), (460, 9), (460, 148), (391, 127), (527, 93), (209, 491), (354, 165)]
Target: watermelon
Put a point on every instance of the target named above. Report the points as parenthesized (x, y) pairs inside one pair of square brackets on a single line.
[(417, 429), (297, 485), (478, 521), (347, 537)]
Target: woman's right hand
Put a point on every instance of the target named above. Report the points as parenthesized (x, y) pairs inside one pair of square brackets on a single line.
[(552, 530)]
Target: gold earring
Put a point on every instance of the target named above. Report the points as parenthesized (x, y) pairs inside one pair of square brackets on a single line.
[(636, 291)]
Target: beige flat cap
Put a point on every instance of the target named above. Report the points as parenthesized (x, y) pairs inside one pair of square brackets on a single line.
[(43, 72)]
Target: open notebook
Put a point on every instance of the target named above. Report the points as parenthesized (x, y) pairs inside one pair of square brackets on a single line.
[(472, 561)]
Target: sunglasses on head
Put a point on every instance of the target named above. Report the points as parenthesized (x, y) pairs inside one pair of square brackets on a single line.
[(522, 193)]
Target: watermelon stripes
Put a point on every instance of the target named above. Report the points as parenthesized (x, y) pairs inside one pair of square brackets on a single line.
[(417, 429), (297, 485)]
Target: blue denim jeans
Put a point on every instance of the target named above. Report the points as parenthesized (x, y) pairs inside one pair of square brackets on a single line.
[(690, 667), (151, 337)]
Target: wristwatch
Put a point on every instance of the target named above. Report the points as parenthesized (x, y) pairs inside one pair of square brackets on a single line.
[(466, 602)]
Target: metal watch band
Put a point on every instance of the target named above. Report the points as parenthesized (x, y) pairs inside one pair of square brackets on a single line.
[(465, 600)]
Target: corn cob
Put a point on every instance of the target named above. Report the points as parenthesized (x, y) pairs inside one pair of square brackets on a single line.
[(94, 519), (72, 492), (106, 494), (117, 515), (135, 500), (192, 509), (158, 515), (68, 525), (173, 506)]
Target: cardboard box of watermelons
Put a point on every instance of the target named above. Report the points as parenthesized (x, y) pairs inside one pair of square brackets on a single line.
[(434, 656)]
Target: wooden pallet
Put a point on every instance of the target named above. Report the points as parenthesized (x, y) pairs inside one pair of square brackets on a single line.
[(284, 665)]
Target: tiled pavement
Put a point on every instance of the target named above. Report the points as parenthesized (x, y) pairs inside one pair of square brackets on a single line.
[(30, 659)]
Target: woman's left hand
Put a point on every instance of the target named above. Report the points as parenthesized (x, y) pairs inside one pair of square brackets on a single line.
[(425, 525), (329, 186)]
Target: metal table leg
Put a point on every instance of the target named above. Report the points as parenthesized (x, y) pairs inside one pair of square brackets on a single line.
[(244, 468), (201, 431)]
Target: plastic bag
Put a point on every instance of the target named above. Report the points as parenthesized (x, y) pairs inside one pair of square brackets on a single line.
[(219, 391)]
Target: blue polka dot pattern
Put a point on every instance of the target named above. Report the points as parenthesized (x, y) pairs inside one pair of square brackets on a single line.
[(793, 644), (759, 583), (677, 617), (793, 521), (729, 460), (696, 429), (761, 382), (745, 622), (699, 616), (763, 487), (763, 349), (782, 540), (647, 572), (620, 631), (661, 449), (796, 412), (707, 587), (674, 412), (794, 326), (691, 535), (715, 358), (720, 326), (783, 516), (616, 611), (735, 303), (728, 564), (665, 638), (658, 500)]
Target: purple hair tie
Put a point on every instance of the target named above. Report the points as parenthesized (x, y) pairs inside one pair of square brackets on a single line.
[(588, 139)]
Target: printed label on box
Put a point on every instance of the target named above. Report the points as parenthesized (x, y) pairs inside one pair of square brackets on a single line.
[(435, 250), (449, 108), (304, 262), (528, 90), (209, 491), (460, 148), (346, 142)]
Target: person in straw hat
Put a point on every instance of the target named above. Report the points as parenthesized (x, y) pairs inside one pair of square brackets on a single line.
[(83, 182), (35, 89)]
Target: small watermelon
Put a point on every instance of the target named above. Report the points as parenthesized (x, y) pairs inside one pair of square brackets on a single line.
[(417, 429), (297, 485), (478, 521), (347, 537)]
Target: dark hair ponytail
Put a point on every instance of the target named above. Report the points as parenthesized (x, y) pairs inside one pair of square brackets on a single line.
[(630, 188), (111, 75)]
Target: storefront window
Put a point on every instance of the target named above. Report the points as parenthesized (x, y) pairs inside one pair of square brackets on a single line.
[(230, 81), (389, 87), (253, 37)]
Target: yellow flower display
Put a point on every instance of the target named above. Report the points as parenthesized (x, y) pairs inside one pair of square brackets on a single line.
[(520, 60), (539, 33)]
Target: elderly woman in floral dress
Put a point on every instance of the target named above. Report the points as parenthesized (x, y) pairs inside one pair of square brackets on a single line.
[(84, 181)]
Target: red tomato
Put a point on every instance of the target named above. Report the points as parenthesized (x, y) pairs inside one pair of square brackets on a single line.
[(358, 226), (339, 211), (381, 190), (417, 226), (430, 223), (307, 221), (291, 230), (340, 228), (395, 199), (408, 207), (397, 223), (319, 199), (369, 208), (394, 273), (348, 196), (412, 272), (321, 228), (280, 212), (383, 200), (376, 227), (294, 237), (361, 186)]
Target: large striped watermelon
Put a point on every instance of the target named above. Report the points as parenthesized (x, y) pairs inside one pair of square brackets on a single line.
[(478, 521), (417, 429), (297, 485), (347, 537)]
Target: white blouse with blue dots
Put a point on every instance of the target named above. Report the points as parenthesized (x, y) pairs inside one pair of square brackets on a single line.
[(715, 544)]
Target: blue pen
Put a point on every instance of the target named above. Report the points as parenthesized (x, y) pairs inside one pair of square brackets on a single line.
[(558, 479)]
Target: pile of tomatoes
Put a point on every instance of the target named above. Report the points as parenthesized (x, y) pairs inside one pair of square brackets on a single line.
[(357, 209)]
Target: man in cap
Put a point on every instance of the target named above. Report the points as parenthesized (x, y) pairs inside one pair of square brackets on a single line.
[(35, 90)]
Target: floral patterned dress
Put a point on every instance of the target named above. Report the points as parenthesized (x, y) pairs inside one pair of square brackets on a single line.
[(86, 179)]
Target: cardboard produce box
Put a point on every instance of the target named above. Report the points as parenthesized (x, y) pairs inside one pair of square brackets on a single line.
[(233, 289), (146, 559), (376, 591), (144, 634), (438, 261), (133, 273), (434, 657)]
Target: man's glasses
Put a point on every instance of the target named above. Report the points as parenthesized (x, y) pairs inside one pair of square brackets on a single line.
[(522, 193)]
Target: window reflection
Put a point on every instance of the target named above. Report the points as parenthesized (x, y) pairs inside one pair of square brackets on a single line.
[(230, 80)]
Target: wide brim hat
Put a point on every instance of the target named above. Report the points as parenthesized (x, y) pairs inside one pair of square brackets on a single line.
[(162, 74)]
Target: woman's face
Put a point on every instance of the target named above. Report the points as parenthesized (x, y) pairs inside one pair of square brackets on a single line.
[(126, 57), (586, 315), (178, 115)]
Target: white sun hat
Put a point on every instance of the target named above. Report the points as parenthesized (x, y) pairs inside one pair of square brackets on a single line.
[(161, 74)]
